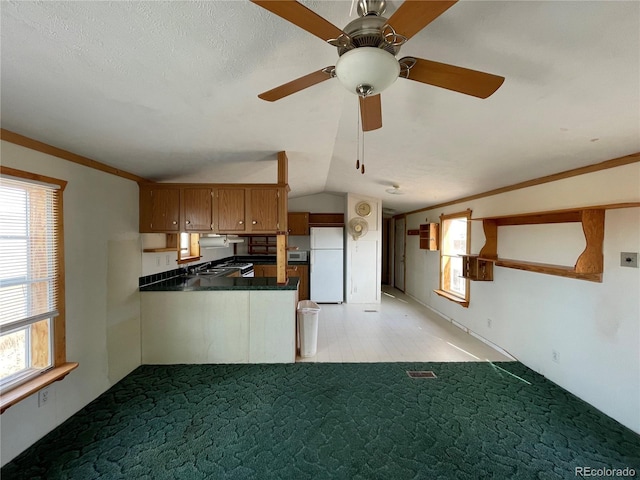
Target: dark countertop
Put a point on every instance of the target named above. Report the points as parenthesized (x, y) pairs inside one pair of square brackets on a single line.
[(179, 281), (192, 283)]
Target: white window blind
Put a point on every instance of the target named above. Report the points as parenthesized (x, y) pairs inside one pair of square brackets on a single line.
[(29, 285)]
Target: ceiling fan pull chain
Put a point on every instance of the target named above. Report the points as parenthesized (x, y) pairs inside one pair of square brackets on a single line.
[(362, 171), (358, 138)]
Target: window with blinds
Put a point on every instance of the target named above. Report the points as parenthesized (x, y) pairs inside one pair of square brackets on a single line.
[(29, 277)]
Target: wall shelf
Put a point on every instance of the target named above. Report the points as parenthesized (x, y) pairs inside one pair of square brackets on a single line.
[(429, 236), (476, 268), (589, 265)]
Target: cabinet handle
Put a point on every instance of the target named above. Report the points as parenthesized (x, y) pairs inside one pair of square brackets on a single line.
[(241, 222), (188, 222), (254, 222), (174, 223)]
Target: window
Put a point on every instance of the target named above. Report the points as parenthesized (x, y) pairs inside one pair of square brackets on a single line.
[(188, 247), (31, 302), (455, 236)]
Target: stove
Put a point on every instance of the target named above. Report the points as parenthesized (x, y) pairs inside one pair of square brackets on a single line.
[(246, 269)]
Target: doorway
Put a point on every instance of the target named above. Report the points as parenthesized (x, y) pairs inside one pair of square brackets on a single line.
[(398, 260)]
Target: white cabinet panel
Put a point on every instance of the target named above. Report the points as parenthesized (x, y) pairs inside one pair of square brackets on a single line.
[(240, 326), (195, 327), (272, 338), (364, 281)]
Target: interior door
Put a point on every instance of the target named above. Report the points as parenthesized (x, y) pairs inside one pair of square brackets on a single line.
[(399, 254)]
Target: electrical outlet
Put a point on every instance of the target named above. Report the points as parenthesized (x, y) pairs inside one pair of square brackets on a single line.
[(158, 261), (168, 259), (629, 259), (43, 396), (555, 356), (489, 322)]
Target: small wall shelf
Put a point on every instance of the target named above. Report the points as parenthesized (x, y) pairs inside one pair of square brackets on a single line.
[(429, 236), (589, 265), (476, 268)]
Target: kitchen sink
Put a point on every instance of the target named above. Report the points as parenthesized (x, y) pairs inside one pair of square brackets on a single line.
[(211, 272)]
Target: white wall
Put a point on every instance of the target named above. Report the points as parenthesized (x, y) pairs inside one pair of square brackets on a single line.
[(363, 256), (318, 203), (595, 327), (102, 266)]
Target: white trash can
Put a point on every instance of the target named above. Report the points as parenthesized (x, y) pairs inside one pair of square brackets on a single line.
[(308, 327)]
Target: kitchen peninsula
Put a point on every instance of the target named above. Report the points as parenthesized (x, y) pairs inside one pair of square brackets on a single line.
[(205, 319)]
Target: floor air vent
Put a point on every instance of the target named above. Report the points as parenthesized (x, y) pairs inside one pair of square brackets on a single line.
[(421, 374), (370, 311)]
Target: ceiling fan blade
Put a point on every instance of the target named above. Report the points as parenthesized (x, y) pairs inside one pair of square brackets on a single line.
[(413, 15), (296, 85), (458, 79), (301, 16), (371, 113)]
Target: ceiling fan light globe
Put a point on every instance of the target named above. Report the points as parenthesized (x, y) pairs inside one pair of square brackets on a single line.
[(369, 66)]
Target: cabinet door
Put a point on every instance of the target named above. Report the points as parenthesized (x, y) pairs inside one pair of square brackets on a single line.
[(302, 272), (304, 282), (298, 223), (269, 270), (197, 209), (230, 210), (159, 209), (264, 210), (258, 270)]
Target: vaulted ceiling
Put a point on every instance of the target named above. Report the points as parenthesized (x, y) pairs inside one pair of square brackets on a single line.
[(168, 91)]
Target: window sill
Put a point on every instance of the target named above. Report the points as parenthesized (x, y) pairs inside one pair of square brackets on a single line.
[(188, 259), (460, 301), (13, 396)]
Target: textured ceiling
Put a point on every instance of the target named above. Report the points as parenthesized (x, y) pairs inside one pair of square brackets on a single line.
[(168, 91)]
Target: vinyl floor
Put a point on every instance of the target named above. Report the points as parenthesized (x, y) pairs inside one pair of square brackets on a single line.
[(399, 329)]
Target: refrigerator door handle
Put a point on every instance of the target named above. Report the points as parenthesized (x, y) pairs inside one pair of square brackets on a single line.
[(311, 262)]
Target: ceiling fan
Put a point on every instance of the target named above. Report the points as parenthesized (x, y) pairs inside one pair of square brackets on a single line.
[(367, 50)]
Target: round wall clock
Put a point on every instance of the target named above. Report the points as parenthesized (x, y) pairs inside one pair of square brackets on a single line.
[(363, 209)]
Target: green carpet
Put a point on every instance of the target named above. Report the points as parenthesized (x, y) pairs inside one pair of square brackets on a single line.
[(325, 421)]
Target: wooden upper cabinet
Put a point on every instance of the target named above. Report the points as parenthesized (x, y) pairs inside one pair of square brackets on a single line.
[(159, 209), (230, 210), (197, 209), (298, 223), (264, 209), (218, 208)]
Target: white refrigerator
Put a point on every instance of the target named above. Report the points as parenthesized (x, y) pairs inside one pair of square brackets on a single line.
[(326, 265)]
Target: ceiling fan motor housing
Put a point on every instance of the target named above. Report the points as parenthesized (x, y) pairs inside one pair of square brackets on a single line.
[(367, 32), (371, 7)]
